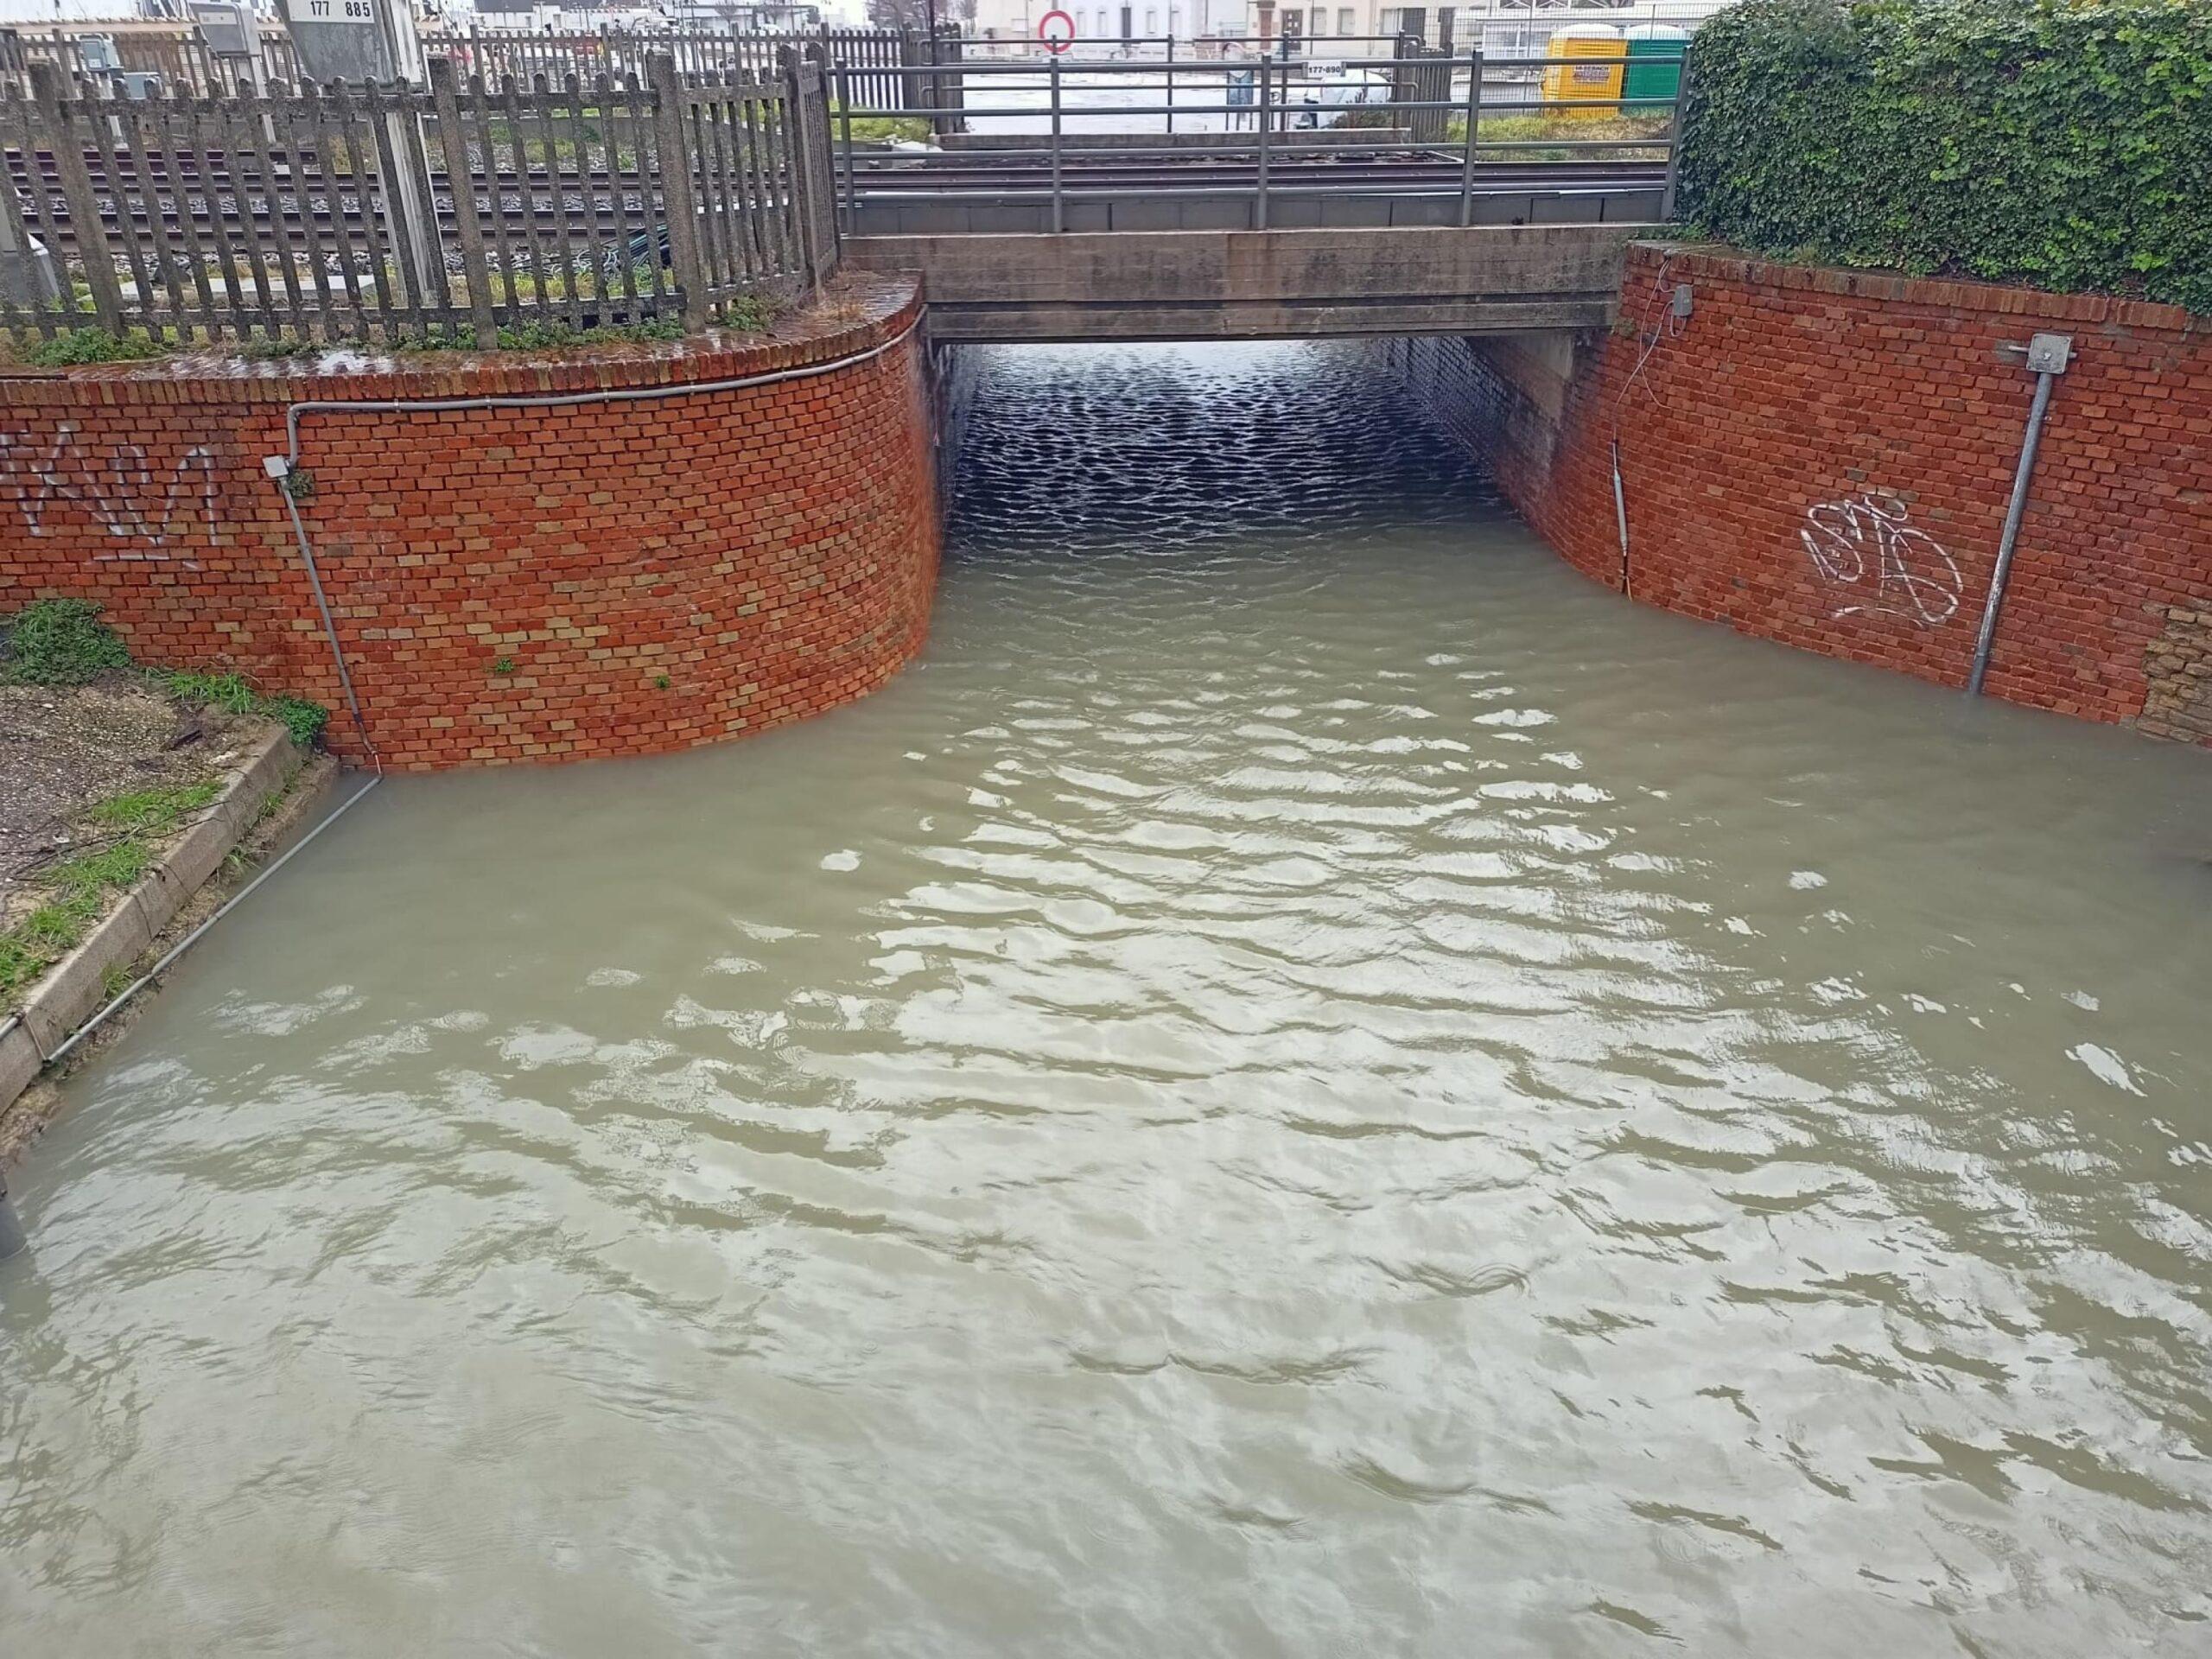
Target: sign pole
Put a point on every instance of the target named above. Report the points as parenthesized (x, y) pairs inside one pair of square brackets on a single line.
[(375, 40)]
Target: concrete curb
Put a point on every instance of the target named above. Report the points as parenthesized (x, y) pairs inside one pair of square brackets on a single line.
[(75, 987)]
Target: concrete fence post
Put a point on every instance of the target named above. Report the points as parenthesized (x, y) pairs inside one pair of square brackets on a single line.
[(58, 119), (806, 182), (672, 160)]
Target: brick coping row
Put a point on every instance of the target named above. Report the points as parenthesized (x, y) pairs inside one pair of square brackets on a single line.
[(1719, 260), (861, 311)]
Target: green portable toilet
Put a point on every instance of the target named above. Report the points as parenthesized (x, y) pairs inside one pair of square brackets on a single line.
[(1655, 65)]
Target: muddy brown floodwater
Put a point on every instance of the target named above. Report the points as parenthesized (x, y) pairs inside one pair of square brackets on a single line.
[(1309, 1082)]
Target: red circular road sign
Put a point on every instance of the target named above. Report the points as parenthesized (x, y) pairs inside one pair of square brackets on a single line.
[(1057, 29)]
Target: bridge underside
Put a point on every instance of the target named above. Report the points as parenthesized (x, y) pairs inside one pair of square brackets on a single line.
[(1261, 284)]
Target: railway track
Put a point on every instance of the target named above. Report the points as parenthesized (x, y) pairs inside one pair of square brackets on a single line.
[(204, 200)]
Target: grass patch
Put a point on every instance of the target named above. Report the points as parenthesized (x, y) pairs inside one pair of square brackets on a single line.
[(880, 129), (63, 642), (232, 693), (60, 642), (75, 345), (750, 313), (77, 890), (259, 350), (1621, 137), (150, 809), (545, 336)]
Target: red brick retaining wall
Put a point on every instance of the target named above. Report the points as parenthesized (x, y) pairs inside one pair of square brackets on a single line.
[(1824, 457), (605, 578)]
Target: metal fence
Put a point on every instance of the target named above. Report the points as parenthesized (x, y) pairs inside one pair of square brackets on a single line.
[(452, 210), (1416, 137), (174, 53)]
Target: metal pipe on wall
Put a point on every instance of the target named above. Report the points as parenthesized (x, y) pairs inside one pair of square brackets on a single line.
[(2048, 355)]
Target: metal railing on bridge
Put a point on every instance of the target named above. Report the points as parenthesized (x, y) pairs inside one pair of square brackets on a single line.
[(1417, 136), (445, 213)]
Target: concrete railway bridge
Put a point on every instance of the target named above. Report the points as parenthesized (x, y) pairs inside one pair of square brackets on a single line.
[(1271, 220)]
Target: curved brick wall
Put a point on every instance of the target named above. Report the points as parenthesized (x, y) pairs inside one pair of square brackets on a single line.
[(1823, 457), (770, 551)]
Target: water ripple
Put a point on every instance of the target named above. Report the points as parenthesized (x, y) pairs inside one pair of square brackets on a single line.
[(1307, 1082)]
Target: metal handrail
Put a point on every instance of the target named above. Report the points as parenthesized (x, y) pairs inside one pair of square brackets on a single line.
[(1422, 128)]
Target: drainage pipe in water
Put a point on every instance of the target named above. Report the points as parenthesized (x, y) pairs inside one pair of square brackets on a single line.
[(193, 937), (2048, 356)]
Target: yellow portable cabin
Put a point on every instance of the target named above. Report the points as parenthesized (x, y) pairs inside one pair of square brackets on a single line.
[(1591, 83)]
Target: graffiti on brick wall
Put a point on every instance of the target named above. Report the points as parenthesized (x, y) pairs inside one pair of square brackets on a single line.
[(118, 488), (1863, 546)]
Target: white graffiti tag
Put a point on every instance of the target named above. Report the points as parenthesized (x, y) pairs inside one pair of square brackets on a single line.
[(119, 490), (1863, 544)]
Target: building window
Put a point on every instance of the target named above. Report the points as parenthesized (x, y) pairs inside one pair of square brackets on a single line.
[(1343, 20), (1152, 22)]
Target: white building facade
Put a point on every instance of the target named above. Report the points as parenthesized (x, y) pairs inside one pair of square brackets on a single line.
[(1501, 27)]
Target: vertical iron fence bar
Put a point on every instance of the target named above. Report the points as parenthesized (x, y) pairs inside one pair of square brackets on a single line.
[(1668, 195), (1059, 204), (1171, 82), (58, 118), (852, 181), (673, 167), (1474, 129), (1260, 200), (460, 180)]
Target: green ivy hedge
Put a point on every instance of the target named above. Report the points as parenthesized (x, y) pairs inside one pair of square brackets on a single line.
[(2062, 144)]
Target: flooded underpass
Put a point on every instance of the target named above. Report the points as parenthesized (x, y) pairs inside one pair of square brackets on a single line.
[(1308, 1081)]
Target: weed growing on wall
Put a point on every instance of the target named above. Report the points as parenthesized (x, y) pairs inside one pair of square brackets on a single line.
[(2062, 144), (63, 642), (230, 693), (60, 642), (75, 345)]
